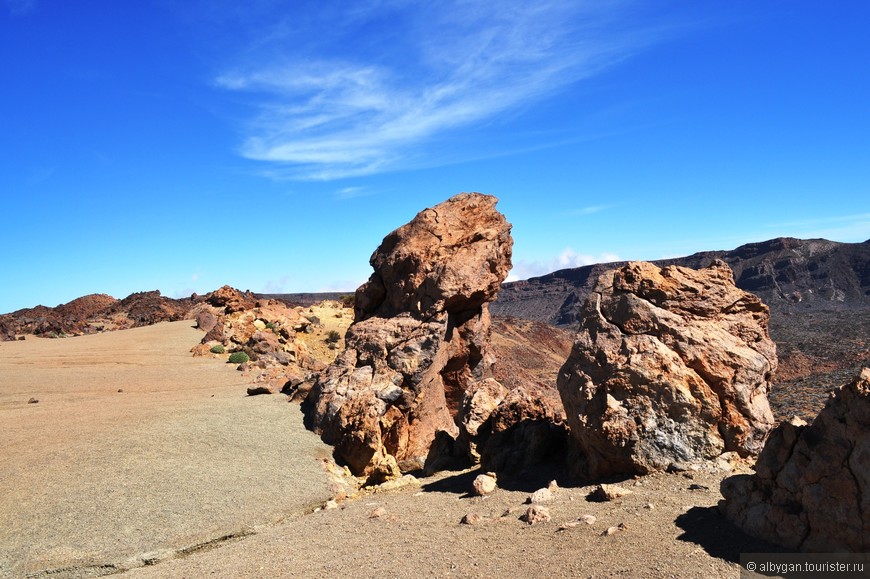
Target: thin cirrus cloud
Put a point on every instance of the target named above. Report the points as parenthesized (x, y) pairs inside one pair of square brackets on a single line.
[(334, 110)]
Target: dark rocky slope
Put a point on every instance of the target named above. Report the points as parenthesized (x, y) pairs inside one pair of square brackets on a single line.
[(818, 292), (790, 275)]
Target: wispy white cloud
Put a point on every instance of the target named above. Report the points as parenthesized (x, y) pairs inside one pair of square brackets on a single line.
[(327, 113), (568, 258)]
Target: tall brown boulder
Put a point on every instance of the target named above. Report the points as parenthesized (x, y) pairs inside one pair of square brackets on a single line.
[(419, 339), (670, 367), (811, 487)]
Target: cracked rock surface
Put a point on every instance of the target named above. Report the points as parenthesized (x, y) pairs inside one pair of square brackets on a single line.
[(671, 367), (420, 338), (811, 490)]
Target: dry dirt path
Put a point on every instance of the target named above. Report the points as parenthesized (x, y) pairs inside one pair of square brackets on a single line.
[(137, 451)]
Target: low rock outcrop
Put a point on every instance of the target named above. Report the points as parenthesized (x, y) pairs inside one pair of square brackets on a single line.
[(284, 343), (670, 367), (811, 488), (419, 340), (94, 313)]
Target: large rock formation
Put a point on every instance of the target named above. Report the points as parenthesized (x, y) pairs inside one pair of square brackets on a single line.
[(811, 490), (419, 339), (671, 366)]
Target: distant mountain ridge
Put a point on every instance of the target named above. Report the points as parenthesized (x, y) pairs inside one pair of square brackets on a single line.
[(789, 274)]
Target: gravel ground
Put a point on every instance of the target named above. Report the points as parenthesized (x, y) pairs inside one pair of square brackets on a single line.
[(670, 528), (136, 451)]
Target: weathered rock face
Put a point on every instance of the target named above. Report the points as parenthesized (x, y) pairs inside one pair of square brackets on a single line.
[(526, 429), (419, 340), (811, 490), (671, 366)]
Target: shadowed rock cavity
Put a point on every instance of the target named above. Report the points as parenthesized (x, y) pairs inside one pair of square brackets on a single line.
[(670, 367), (811, 489), (419, 341)]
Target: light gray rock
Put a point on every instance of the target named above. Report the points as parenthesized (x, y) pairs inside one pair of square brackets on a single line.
[(671, 366)]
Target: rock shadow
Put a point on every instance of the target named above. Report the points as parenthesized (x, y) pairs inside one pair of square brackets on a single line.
[(707, 528), (457, 484), (527, 481)]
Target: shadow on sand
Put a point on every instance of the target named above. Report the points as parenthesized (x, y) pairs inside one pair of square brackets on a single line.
[(527, 481), (707, 528)]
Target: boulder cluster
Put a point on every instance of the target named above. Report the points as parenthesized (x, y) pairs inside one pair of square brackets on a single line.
[(671, 366), (670, 370)]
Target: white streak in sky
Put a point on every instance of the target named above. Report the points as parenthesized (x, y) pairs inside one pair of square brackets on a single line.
[(371, 101)]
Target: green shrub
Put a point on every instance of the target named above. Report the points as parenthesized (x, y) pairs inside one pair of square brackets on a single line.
[(238, 358), (272, 326), (217, 349), (332, 337)]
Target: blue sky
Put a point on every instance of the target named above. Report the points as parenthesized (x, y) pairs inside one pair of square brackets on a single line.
[(271, 145)]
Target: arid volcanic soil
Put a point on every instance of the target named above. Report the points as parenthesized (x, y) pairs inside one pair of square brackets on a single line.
[(136, 451)]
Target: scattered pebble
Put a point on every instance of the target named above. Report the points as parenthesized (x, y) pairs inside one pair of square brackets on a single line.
[(613, 530), (330, 505), (33, 401), (588, 519), (608, 493), (649, 506), (540, 496), (536, 514), (697, 487), (484, 484), (471, 519), (378, 513)]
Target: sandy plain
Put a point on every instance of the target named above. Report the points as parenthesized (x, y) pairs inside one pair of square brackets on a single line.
[(140, 459), (136, 451)]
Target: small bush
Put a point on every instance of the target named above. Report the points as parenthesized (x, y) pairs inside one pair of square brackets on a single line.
[(272, 326), (217, 349), (332, 337), (238, 358)]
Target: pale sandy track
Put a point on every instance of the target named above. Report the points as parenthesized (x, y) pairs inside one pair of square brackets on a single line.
[(93, 477)]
